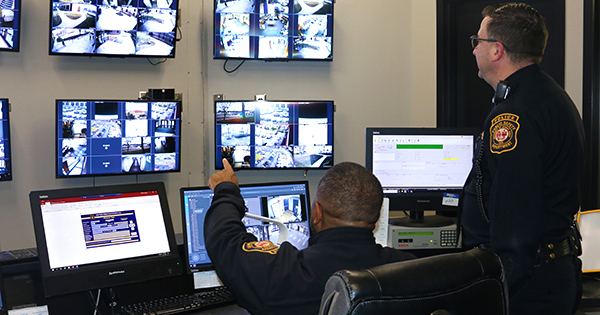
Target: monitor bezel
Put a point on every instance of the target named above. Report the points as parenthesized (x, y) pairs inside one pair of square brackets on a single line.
[(210, 266), (58, 172), (16, 28), (215, 35), (97, 276), (7, 176), (217, 162), (94, 54)]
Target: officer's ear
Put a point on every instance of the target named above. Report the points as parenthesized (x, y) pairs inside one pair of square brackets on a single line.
[(316, 213)]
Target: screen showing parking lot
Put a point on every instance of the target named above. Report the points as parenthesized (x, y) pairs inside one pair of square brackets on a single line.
[(274, 134), (117, 137), (273, 29)]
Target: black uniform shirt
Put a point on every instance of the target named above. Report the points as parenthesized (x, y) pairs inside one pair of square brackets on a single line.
[(270, 280), (531, 165)]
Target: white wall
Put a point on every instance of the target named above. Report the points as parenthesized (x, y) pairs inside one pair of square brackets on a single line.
[(383, 74)]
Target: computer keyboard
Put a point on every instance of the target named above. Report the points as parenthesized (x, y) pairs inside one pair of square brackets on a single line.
[(18, 254), (215, 297)]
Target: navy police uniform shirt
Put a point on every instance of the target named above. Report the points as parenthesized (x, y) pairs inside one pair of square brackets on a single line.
[(267, 279), (524, 188)]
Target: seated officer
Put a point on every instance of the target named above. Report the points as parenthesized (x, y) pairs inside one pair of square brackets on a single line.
[(267, 279)]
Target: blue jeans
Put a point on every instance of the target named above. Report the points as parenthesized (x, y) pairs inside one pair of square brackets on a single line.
[(552, 288)]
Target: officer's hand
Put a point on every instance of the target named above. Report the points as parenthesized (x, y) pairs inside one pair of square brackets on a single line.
[(226, 175)]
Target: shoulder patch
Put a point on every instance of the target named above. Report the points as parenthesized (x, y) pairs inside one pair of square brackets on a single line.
[(503, 133), (266, 247)]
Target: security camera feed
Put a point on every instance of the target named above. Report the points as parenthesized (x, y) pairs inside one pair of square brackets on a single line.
[(274, 134), (286, 202), (144, 28), (10, 16), (117, 137), (273, 29), (5, 162)]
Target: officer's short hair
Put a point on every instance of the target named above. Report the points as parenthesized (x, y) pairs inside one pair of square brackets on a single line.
[(519, 27), (351, 192)]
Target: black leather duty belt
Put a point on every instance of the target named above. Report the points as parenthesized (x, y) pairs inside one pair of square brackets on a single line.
[(551, 251)]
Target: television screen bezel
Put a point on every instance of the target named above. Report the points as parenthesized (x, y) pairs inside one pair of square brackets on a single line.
[(102, 275), (94, 54), (217, 160), (16, 28), (58, 173), (215, 35), (6, 176)]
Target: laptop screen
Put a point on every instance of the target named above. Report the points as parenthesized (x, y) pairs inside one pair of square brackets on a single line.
[(269, 200)]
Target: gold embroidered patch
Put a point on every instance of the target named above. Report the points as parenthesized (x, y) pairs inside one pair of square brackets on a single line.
[(266, 247), (503, 133)]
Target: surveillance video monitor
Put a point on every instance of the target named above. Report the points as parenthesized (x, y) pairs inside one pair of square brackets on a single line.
[(10, 25), (274, 134), (5, 152), (143, 28), (273, 29), (109, 137)]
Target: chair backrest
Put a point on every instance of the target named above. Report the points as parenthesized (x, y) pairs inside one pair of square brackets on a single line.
[(470, 282)]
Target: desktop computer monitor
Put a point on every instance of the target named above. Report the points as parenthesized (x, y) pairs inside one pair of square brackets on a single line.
[(101, 237), (267, 199), (421, 169)]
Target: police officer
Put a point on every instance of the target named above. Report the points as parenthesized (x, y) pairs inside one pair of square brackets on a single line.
[(524, 188), (267, 279)]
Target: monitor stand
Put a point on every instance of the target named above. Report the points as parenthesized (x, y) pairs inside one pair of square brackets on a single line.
[(418, 219)]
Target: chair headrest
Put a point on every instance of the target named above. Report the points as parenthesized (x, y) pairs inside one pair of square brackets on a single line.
[(425, 274)]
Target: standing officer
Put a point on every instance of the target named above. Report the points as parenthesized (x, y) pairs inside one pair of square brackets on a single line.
[(524, 188)]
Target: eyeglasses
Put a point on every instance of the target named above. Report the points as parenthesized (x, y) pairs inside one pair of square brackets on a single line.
[(475, 41)]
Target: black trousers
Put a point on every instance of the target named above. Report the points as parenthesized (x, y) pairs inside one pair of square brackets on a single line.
[(552, 288)]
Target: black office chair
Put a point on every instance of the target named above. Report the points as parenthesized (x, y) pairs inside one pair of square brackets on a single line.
[(470, 282)]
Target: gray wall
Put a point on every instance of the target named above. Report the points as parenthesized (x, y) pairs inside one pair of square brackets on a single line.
[(383, 74)]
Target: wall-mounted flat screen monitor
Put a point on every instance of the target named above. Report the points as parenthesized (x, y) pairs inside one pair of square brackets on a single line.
[(108, 137), (421, 168), (10, 25), (104, 236), (274, 134), (122, 28), (273, 29), (5, 161)]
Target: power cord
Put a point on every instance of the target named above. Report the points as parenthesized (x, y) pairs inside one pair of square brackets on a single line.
[(97, 302), (234, 69)]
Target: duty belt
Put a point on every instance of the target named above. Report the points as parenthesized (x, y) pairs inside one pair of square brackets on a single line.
[(551, 251)]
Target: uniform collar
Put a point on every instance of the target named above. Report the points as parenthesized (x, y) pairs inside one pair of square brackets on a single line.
[(343, 234), (521, 73)]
